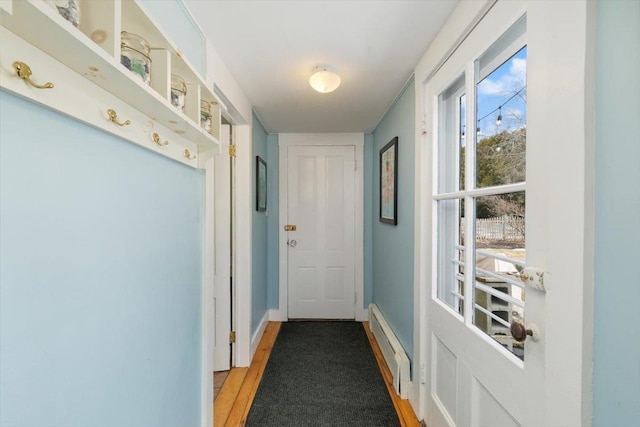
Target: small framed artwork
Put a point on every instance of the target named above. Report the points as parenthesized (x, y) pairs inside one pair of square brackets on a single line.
[(261, 184), (389, 182)]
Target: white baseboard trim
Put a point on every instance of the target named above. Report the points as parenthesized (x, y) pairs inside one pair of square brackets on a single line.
[(255, 339), (276, 315), (362, 315)]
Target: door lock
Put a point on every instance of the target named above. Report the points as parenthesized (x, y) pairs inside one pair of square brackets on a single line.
[(292, 243), (289, 227)]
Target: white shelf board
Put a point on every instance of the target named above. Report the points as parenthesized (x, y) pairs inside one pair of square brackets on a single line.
[(41, 26)]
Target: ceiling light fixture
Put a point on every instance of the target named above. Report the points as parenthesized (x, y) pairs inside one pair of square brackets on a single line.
[(324, 80)]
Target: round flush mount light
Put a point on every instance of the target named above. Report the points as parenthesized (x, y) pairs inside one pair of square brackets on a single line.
[(324, 80)]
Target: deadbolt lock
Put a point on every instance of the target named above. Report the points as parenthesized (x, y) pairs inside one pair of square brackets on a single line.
[(290, 227)]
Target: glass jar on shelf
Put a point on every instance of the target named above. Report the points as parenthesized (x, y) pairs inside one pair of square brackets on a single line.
[(178, 91), (205, 115), (134, 55), (68, 9)]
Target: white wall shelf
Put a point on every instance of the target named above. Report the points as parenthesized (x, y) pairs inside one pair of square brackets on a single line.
[(93, 51)]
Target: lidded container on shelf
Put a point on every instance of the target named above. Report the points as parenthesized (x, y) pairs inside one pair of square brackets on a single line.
[(178, 91), (134, 55), (68, 9), (205, 115)]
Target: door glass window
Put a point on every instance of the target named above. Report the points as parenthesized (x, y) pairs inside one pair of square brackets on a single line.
[(451, 180), (481, 191)]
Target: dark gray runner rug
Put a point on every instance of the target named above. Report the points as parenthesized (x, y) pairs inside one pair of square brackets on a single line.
[(322, 374)]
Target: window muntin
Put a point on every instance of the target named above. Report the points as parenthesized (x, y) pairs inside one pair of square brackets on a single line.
[(480, 190)]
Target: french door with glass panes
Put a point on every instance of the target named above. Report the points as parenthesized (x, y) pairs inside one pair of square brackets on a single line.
[(494, 358)]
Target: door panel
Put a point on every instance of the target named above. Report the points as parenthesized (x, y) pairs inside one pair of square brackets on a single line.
[(474, 377), (321, 186), (222, 275)]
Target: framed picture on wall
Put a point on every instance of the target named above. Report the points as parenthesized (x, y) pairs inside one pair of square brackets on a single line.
[(261, 184), (388, 182)]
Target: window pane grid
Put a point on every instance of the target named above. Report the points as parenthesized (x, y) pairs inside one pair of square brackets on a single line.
[(493, 316), (498, 294), (501, 277), (480, 190)]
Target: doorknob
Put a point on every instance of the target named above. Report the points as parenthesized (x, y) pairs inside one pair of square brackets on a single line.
[(519, 332), (292, 243)]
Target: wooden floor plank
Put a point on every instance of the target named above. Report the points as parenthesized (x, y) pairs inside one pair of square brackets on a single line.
[(240, 410), (403, 407), (226, 398)]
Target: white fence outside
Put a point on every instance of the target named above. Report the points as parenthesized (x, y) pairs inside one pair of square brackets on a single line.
[(506, 227)]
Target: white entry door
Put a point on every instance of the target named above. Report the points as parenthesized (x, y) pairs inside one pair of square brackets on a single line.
[(321, 250), (507, 153), (222, 274)]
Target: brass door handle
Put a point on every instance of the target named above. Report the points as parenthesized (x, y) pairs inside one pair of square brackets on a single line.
[(24, 72), (520, 333)]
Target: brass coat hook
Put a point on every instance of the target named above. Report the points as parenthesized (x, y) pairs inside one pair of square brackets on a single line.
[(156, 139), (24, 72), (113, 117), (188, 155)]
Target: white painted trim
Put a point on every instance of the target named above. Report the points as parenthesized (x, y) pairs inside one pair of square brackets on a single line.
[(222, 81), (257, 336), (462, 20), (362, 315), (208, 314), (356, 140), (276, 315), (92, 113), (348, 138), (6, 6), (243, 241)]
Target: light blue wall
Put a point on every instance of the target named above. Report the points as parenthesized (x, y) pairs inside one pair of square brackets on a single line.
[(273, 266), (616, 352), (100, 277), (368, 219), (259, 232), (393, 245), (176, 22)]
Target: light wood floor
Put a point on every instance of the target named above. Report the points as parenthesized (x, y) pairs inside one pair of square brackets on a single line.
[(232, 404)]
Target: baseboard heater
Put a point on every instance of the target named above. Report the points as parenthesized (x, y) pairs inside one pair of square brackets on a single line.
[(393, 353)]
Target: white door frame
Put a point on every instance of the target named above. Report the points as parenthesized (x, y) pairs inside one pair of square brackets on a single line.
[(242, 246), (208, 308), (242, 276), (222, 255), (318, 139), (561, 88)]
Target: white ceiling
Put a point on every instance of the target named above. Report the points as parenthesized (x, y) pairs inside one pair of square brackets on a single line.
[(271, 47)]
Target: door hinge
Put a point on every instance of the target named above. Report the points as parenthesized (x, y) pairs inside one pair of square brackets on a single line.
[(232, 150), (232, 337), (355, 166)]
